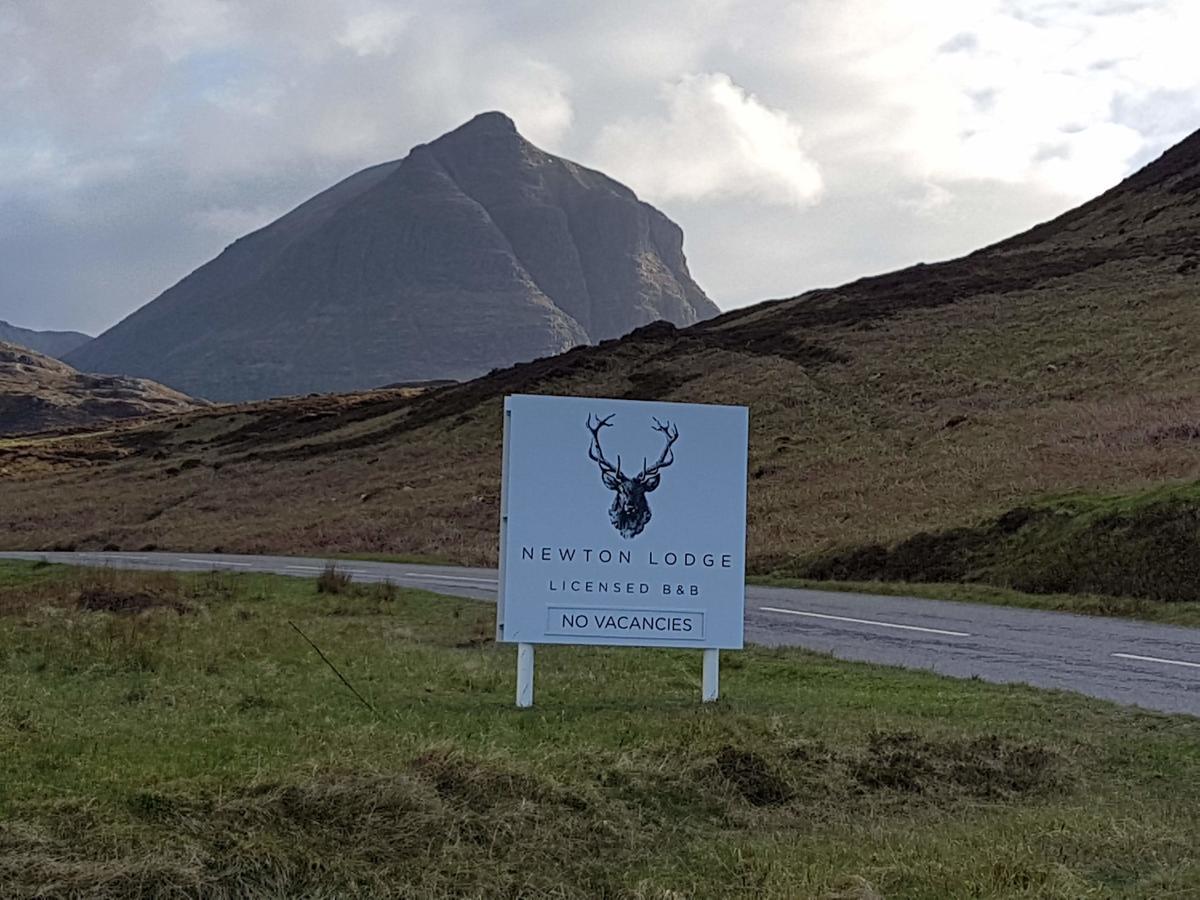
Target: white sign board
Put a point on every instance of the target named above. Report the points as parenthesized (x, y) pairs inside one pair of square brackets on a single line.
[(623, 523)]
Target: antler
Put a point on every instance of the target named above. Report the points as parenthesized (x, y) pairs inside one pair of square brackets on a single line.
[(595, 453), (667, 456)]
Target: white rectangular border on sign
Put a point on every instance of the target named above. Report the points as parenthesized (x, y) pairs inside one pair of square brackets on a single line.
[(626, 517), (626, 625)]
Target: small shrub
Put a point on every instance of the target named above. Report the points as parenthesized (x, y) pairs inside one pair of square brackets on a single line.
[(333, 581), (384, 591)]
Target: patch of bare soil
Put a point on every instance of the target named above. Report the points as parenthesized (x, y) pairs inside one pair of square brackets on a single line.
[(753, 777), (98, 598)]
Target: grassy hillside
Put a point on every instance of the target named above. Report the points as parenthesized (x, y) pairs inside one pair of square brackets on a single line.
[(174, 736), (934, 398), (1137, 545)]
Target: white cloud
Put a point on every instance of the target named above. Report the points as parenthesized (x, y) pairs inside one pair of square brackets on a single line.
[(237, 220), (713, 140), (537, 98), (179, 27), (374, 31), (1023, 93)]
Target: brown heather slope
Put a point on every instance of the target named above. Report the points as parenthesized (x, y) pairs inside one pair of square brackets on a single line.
[(1063, 359), (38, 393)]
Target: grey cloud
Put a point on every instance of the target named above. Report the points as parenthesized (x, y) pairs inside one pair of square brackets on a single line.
[(141, 136), (960, 42)]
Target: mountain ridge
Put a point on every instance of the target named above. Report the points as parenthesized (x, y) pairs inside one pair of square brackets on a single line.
[(55, 344)]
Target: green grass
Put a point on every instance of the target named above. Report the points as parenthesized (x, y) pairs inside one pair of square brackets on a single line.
[(1186, 613), (199, 747)]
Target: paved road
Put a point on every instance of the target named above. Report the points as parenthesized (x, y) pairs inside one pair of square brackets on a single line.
[(1134, 663)]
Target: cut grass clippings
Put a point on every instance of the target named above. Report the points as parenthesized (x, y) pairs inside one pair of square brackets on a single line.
[(149, 752)]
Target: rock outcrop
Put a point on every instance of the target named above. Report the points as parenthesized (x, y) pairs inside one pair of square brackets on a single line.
[(38, 393)]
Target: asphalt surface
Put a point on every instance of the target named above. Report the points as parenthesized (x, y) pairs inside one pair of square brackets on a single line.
[(1134, 663)]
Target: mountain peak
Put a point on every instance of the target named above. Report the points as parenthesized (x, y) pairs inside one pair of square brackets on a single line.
[(492, 120), (492, 124), (475, 251)]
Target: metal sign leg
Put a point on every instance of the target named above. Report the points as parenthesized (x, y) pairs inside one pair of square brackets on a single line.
[(525, 676), (711, 687)]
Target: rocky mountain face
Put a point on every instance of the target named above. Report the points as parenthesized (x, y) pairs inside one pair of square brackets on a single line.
[(475, 251), (52, 343), (38, 393)]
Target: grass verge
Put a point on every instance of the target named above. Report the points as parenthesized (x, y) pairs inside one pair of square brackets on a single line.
[(170, 735)]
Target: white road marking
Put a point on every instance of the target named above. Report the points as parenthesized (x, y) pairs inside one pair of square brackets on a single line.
[(796, 612), (435, 585), (214, 563), (306, 568), (450, 577), (1156, 659)]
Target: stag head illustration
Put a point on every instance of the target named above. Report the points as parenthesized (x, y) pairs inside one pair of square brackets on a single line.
[(630, 511)]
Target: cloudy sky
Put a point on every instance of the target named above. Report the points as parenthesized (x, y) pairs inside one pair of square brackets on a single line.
[(798, 143)]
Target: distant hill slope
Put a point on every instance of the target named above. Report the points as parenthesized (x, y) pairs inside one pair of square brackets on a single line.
[(473, 252), (52, 343), (39, 393), (1062, 360)]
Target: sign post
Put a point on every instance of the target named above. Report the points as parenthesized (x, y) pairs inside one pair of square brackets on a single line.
[(622, 523), (710, 686), (524, 675)]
